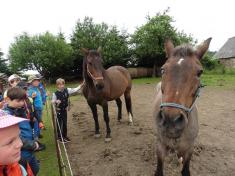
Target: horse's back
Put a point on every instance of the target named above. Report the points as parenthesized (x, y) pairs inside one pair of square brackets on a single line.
[(119, 74), (120, 80)]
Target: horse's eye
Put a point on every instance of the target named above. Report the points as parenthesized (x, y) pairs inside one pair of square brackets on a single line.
[(90, 63), (199, 73), (162, 71)]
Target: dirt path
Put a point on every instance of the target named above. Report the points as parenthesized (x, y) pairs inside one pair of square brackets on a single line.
[(132, 150)]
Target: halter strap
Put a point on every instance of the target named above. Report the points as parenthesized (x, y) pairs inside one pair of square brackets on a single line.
[(93, 77), (179, 106)]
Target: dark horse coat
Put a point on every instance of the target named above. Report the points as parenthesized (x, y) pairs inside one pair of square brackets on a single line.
[(103, 85)]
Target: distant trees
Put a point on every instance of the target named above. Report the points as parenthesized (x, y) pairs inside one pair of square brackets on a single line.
[(148, 40), (3, 65), (52, 56), (90, 35)]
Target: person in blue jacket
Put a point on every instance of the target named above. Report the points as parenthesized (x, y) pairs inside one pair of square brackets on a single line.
[(42, 90), (16, 107), (35, 93)]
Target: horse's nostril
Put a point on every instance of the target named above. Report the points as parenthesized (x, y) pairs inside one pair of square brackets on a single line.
[(161, 118), (99, 86), (179, 120)]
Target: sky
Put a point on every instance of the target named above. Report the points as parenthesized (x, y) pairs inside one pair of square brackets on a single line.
[(200, 18)]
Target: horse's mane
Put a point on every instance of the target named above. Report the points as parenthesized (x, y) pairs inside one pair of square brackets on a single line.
[(184, 51)]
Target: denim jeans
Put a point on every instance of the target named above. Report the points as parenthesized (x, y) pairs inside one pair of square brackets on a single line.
[(38, 114)]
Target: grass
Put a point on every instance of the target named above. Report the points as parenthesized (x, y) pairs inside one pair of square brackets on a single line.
[(49, 165)]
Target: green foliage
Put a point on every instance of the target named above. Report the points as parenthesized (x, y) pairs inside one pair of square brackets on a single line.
[(3, 65), (50, 55), (212, 65), (209, 62), (148, 40), (88, 34)]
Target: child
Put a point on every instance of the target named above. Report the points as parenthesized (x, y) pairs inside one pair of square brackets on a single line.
[(13, 80), (15, 106), (42, 90), (30, 112), (35, 93), (10, 145), (61, 99)]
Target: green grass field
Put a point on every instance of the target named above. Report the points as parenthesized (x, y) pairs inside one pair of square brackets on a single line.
[(49, 165)]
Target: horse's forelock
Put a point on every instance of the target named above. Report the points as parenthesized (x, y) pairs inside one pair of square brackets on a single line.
[(94, 53), (183, 51)]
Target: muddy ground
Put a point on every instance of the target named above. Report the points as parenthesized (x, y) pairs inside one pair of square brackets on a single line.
[(132, 151)]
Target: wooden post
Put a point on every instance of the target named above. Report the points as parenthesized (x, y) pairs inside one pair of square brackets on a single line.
[(53, 115)]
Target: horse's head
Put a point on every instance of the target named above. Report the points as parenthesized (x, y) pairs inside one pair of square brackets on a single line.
[(93, 68), (180, 85)]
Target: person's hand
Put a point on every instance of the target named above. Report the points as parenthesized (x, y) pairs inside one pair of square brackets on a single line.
[(57, 101), (37, 145), (83, 82), (34, 94), (1, 104)]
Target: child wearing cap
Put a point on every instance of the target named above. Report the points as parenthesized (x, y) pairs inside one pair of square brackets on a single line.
[(13, 80), (10, 146), (34, 92), (61, 99), (15, 106)]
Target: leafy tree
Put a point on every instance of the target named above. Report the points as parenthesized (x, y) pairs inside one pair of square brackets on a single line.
[(3, 65), (148, 40), (209, 62), (50, 55), (90, 35)]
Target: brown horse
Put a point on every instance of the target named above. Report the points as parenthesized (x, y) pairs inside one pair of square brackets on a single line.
[(103, 85), (174, 108)]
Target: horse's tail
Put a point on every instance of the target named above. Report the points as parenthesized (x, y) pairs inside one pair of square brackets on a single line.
[(127, 95)]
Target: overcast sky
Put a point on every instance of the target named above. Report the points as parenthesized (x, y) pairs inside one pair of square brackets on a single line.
[(201, 18)]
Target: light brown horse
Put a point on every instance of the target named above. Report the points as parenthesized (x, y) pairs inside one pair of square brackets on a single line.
[(174, 108), (103, 85)]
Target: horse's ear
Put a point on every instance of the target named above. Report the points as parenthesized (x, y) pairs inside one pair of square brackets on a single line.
[(84, 51), (202, 48), (169, 46), (99, 49)]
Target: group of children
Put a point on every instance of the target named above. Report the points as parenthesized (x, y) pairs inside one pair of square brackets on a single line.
[(21, 116)]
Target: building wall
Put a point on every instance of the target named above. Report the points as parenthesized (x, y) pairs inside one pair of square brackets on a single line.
[(230, 63)]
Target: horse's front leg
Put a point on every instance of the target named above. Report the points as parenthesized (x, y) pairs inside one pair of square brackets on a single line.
[(161, 154), (95, 116), (186, 162), (106, 119)]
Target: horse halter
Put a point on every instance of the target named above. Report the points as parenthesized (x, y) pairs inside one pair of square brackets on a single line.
[(93, 77), (179, 106)]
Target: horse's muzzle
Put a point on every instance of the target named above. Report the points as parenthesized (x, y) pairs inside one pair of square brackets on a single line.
[(99, 86), (172, 126)]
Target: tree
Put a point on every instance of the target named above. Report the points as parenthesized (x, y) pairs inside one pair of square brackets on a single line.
[(3, 65), (50, 55), (148, 40), (88, 34)]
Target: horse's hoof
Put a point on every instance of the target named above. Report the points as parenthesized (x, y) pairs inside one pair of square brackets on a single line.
[(108, 139), (130, 123), (97, 135)]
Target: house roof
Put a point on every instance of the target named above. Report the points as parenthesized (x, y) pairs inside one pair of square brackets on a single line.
[(227, 50)]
